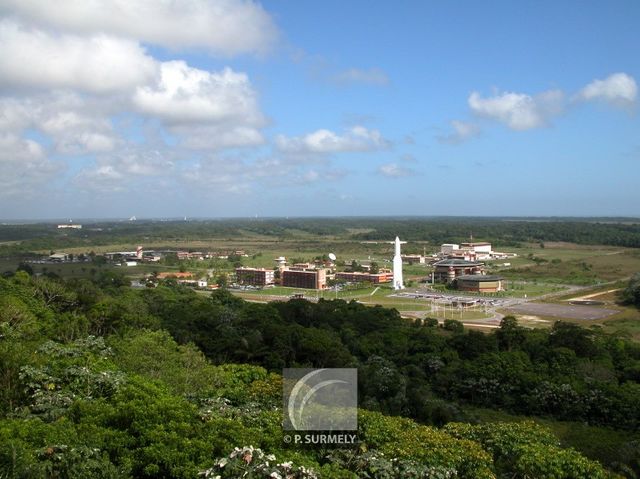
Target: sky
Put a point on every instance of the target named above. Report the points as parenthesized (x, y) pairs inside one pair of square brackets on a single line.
[(235, 108)]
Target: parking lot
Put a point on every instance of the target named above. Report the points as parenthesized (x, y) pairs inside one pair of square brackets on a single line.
[(562, 311), (443, 298)]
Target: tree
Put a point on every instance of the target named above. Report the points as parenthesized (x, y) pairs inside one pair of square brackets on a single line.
[(355, 266), (453, 325), (26, 267), (631, 294), (509, 335)]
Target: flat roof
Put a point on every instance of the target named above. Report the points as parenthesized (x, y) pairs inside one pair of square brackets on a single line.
[(480, 277), (457, 262)]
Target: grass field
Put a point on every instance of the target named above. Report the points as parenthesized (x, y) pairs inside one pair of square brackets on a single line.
[(571, 264), (370, 296)]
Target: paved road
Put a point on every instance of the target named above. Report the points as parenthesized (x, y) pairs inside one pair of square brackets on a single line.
[(563, 311), (528, 306)]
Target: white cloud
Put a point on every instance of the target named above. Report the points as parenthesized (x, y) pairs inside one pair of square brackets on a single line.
[(462, 131), (16, 150), (76, 74), (227, 27), (217, 137), (74, 123), (15, 114), (206, 110), (76, 133), (216, 175), (184, 94), (24, 167), (99, 64), (236, 175), (119, 170), (618, 89), (372, 76), (393, 170), (323, 141), (518, 111), (307, 177)]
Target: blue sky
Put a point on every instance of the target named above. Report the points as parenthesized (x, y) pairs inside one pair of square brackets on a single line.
[(232, 108)]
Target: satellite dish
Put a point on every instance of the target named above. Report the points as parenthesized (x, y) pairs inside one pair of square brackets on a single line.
[(332, 256)]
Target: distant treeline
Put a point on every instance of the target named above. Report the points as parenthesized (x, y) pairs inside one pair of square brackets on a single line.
[(504, 232), (437, 230)]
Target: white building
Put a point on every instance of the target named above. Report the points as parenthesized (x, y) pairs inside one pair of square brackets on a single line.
[(449, 248), (482, 250), (58, 257)]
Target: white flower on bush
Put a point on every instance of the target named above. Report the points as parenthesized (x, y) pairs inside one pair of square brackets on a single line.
[(252, 462)]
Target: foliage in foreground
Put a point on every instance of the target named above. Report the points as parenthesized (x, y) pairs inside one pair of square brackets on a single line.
[(89, 393)]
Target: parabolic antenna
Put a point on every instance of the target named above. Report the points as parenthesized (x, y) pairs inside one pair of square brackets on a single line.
[(332, 256)]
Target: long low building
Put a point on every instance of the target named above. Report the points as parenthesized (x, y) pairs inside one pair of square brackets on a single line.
[(480, 283), (360, 277), (255, 276)]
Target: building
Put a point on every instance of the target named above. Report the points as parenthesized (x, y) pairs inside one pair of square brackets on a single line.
[(58, 257), (467, 251), (307, 279), (302, 266), (481, 250), (71, 226), (448, 248), (184, 255), (175, 274), (358, 277), (480, 283), (414, 258), (465, 254), (281, 262), (447, 270), (255, 276)]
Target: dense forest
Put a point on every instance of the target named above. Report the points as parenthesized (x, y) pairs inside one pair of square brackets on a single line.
[(437, 230), (101, 380)]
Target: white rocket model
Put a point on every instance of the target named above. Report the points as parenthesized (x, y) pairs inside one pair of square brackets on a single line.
[(398, 282)]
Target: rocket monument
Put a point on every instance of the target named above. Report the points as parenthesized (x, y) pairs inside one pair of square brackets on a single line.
[(398, 282)]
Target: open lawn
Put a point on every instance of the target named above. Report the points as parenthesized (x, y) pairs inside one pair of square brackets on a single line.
[(370, 296), (571, 264)]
